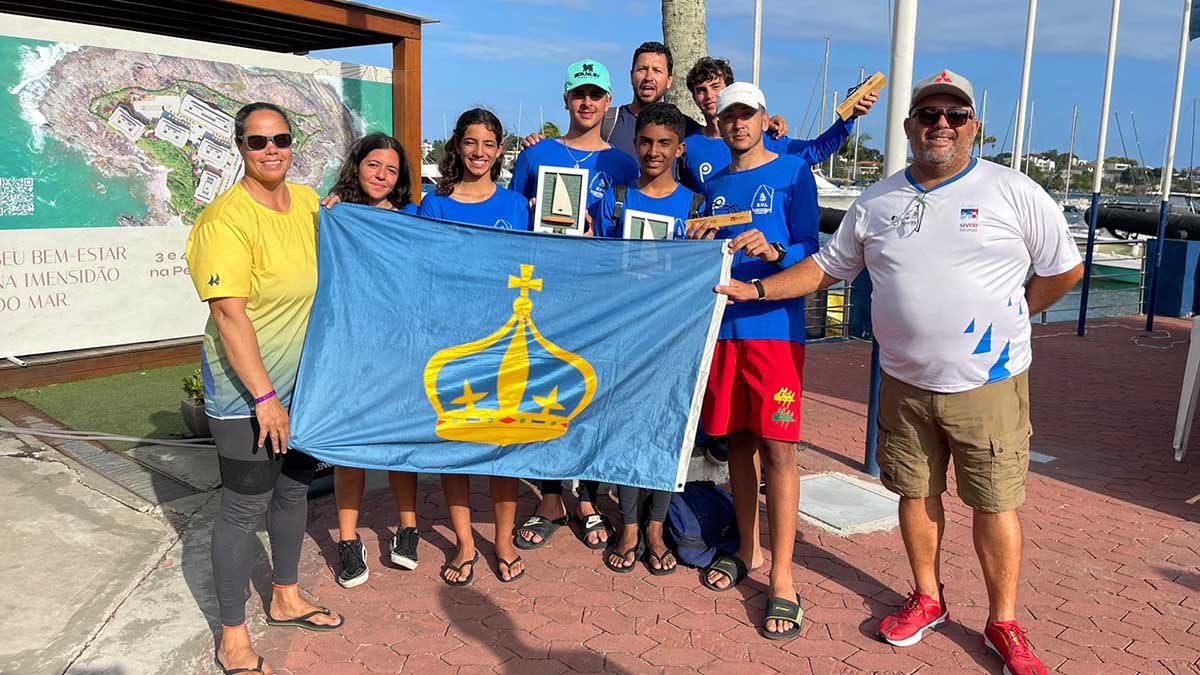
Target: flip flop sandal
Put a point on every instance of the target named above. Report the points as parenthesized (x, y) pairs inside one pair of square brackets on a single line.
[(636, 551), (662, 570), (780, 609), (303, 622), (595, 523), (235, 671), (542, 527), (509, 564), (459, 568), (729, 565)]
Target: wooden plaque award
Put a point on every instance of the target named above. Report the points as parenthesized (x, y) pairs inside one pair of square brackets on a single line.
[(873, 85)]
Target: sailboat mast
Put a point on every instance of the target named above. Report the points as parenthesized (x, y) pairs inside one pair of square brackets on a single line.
[(1071, 154), (982, 122), (1029, 138), (1030, 24), (757, 38), (833, 156), (862, 72), (1192, 161), (824, 85)]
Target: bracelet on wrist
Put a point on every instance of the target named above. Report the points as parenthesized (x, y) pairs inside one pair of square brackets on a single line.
[(265, 397), (758, 286)]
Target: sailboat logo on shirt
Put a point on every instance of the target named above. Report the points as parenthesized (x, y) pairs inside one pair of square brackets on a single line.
[(502, 224), (763, 201), (600, 184)]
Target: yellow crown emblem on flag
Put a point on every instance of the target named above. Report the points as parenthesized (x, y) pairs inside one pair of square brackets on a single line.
[(515, 420)]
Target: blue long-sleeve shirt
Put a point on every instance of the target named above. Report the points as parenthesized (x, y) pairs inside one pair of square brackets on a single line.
[(705, 156)]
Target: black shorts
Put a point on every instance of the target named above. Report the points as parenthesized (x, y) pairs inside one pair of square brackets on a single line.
[(248, 469)]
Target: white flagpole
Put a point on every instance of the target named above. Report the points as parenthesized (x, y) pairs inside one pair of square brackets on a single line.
[(900, 76), (1098, 169), (904, 39), (757, 38), (1169, 167), (1030, 24)]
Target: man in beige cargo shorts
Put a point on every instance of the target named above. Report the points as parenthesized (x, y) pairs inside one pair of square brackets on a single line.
[(949, 243)]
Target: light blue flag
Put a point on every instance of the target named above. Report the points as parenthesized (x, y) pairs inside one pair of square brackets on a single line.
[(443, 348)]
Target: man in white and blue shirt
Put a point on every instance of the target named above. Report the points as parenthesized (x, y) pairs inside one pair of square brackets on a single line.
[(949, 244)]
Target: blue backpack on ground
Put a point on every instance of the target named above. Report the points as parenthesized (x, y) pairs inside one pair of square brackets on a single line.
[(701, 524)]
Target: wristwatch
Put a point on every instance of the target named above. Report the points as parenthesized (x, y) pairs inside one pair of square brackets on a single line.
[(758, 286), (781, 250)]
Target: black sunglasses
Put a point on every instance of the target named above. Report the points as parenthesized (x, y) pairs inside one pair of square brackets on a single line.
[(955, 117), (281, 141)]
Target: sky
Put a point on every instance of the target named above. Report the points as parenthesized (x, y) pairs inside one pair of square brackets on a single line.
[(510, 56)]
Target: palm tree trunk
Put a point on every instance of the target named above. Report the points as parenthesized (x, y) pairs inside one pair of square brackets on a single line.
[(685, 35)]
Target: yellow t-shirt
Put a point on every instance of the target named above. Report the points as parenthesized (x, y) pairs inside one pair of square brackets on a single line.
[(239, 248)]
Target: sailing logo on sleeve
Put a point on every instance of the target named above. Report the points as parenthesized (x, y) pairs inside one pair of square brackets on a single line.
[(705, 169), (763, 201), (968, 219), (502, 224)]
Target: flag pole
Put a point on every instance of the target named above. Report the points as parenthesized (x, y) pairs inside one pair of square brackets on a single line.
[(757, 38), (1169, 168), (1030, 24), (904, 39), (1098, 169)]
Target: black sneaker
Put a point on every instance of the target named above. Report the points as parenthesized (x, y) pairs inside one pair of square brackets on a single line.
[(404, 548), (716, 449), (352, 563)]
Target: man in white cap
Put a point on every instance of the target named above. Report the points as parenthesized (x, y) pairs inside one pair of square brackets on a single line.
[(948, 244), (755, 385)]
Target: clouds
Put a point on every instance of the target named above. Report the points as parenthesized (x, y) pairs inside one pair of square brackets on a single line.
[(1149, 28), (491, 47)]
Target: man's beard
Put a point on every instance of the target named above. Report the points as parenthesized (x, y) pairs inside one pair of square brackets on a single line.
[(929, 156)]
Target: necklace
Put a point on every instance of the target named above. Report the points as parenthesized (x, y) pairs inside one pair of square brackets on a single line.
[(573, 158)]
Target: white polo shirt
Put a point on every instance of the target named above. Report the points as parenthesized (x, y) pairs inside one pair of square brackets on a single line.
[(948, 269)]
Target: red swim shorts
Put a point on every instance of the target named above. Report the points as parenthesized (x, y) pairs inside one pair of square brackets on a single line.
[(755, 385)]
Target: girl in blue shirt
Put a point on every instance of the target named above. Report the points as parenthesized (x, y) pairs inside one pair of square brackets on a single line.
[(467, 193), (375, 173)]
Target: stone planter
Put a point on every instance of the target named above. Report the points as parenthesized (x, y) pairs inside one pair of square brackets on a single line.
[(194, 418)]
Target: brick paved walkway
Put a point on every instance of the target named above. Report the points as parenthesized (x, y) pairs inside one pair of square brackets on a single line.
[(1111, 581)]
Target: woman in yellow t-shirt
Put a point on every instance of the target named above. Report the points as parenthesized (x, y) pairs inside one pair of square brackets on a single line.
[(252, 255)]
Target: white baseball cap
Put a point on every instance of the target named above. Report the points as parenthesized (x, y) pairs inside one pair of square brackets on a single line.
[(741, 92), (945, 82)]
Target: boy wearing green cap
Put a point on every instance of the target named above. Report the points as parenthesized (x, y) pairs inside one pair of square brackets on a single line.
[(587, 94)]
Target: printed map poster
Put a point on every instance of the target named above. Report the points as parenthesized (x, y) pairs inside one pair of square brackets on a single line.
[(108, 155)]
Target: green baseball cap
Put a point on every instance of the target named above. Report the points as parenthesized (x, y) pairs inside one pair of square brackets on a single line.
[(587, 71)]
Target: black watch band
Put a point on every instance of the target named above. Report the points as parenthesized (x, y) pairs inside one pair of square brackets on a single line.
[(762, 292), (781, 250)]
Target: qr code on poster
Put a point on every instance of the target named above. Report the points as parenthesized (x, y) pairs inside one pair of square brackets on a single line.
[(16, 196)]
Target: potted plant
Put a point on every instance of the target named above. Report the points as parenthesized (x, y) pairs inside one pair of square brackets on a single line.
[(192, 407)]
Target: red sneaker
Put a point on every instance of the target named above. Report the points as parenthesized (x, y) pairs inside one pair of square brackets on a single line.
[(1008, 640), (918, 615)]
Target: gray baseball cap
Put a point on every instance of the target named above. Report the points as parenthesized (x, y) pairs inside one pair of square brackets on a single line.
[(945, 82)]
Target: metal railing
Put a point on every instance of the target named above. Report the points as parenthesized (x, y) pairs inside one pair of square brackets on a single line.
[(827, 314), (1117, 285)]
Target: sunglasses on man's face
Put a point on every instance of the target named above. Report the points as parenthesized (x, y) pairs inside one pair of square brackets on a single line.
[(281, 141), (955, 117)]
